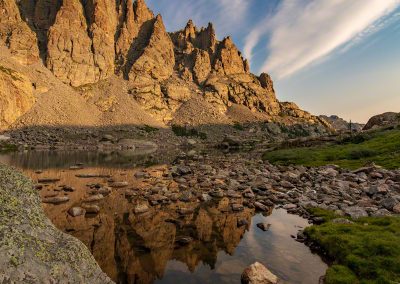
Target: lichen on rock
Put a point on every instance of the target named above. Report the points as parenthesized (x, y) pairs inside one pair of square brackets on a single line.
[(32, 250)]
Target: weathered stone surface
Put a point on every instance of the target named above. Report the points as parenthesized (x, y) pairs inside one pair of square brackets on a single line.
[(134, 25), (258, 274), (157, 60), (70, 55), (267, 83), (16, 34), (16, 96), (103, 22), (242, 89), (31, 247), (40, 16), (76, 211), (383, 120), (201, 65), (229, 60)]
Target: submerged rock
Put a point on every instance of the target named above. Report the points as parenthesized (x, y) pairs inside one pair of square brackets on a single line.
[(56, 200)]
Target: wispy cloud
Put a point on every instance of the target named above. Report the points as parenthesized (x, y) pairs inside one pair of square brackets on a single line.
[(304, 31), (227, 15)]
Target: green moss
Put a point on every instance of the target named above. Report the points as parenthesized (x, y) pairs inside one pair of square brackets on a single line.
[(7, 148), (381, 147), (188, 132), (367, 251), (238, 126), (339, 274), (327, 215), (148, 128)]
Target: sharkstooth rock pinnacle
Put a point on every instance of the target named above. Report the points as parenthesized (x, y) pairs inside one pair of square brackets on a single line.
[(123, 51)]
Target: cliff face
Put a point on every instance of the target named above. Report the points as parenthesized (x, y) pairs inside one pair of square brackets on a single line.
[(85, 42)]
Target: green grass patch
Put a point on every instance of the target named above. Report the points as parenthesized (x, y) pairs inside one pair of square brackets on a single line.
[(327, 215), (238, 126), (367, 251), (382, 148), (7, 148), (188, 132)]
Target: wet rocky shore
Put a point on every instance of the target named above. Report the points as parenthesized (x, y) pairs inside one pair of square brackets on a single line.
[(236, 184)]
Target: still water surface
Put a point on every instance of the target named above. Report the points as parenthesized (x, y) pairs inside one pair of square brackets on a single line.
[(147, 248)]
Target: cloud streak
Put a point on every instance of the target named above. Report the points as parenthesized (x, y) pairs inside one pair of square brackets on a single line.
[(228, 16), (303, 32)]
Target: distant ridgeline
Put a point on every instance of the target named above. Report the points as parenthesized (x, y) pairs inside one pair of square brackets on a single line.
[(102, 52)]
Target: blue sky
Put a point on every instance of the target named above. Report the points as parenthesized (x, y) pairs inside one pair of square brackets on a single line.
[(329, 56)]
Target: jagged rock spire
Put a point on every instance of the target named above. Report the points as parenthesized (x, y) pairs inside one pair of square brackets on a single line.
[(16, 35)]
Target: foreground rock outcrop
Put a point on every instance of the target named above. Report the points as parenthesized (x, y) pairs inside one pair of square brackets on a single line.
[(32, 250), (387, 119)]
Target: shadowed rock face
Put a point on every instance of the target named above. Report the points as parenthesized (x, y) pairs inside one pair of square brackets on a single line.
[(32, 250), (85, 43), (386, 119)]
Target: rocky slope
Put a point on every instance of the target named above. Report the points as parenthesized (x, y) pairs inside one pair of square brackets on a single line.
[(341, 125), (32, 250), (112, 62), (386, 119)]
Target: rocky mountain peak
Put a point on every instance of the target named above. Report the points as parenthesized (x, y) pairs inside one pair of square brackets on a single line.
[(16, 34), (87, 42), (142, 12)]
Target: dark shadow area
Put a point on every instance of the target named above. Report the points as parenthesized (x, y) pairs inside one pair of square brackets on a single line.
[(40, 15), (138, 46)]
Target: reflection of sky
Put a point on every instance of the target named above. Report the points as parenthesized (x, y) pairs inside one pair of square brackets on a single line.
[(290, 260)]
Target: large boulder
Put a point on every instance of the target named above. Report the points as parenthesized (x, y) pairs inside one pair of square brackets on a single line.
[(258, 274), (31, 248), (386, 119)]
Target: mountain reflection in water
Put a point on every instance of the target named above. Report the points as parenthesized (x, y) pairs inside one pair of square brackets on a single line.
[(178, 242)]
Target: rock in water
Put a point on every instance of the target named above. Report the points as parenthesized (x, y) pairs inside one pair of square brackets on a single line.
[(76, 211), (91, 209), (142, 208), (94, 198), (56, 200), (258, 274), (263, 226)]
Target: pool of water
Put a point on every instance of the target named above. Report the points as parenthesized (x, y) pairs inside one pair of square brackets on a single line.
[(179, 242)]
